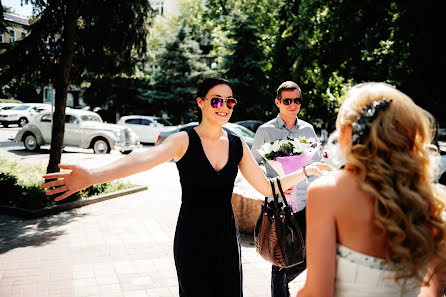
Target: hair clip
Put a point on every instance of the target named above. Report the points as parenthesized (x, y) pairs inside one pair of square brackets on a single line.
[(361, 127)]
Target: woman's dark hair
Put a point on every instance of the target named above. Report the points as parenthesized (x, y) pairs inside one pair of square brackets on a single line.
[(206, 85), (209, 83)]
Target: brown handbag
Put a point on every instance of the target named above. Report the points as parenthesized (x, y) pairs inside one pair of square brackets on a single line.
[(277, 235)]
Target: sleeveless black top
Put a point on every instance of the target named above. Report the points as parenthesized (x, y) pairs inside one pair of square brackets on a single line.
[(207, 244)]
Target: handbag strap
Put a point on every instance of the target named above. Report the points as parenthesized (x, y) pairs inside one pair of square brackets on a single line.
[(281, 191), (275, 195)]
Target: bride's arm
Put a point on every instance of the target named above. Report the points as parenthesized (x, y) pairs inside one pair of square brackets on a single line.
[(320, 242)]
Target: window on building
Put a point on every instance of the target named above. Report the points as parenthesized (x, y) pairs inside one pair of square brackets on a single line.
[(158, 6), (11, 36), (23, 35), (2, 36)]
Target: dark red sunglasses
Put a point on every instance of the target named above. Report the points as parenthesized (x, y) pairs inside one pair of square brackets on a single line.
[(217, 102)]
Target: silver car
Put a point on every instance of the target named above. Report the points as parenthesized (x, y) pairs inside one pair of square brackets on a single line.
[(20, 114), (83, 129), (146, 127)]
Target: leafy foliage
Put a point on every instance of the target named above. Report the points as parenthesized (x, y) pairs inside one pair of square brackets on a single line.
[(175, 81), (72, 38), (20, 185)]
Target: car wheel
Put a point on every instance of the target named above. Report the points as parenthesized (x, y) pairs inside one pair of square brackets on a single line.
[(23, 122), (5, 125), (101, 146), (30, 143)]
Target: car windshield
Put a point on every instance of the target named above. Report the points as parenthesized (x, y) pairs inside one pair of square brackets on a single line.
[(91, 118), (242, 131), (21, 107)]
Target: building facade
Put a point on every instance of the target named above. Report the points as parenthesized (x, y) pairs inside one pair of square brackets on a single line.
[(162, 7), (17, 28)]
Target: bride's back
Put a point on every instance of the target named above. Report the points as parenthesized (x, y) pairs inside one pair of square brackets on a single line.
[(354, 216)]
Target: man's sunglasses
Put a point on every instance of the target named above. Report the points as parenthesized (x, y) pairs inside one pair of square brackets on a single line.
[(287, 101), (217, 102)]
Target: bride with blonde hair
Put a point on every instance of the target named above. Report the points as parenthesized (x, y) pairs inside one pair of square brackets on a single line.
[(376, 228)]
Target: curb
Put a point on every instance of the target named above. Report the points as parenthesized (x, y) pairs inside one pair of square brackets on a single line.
[(37, 213)]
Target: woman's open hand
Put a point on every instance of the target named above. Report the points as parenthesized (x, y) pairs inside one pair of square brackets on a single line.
[(318, 169), (67, 183)]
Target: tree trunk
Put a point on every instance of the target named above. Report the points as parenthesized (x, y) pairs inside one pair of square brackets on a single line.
[(61, 84)]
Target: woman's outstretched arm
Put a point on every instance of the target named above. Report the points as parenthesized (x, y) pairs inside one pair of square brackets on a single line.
[(252, 172), (80, 177)]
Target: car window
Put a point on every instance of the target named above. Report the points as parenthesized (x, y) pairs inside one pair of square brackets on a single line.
[(91, 118), (163, 122), (147, 122), (70, 119), (7, 107), (242, 131), (133, 121), (21, 107), (46, 118)]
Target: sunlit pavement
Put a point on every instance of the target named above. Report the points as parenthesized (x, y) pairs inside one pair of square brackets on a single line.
[(119, 247)]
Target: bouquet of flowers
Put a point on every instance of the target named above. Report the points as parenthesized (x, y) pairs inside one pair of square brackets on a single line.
[(288, 155)]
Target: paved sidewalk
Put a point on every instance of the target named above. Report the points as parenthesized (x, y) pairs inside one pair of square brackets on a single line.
[(120, 247)]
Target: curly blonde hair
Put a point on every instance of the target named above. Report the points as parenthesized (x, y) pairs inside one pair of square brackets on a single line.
[(392, 162)]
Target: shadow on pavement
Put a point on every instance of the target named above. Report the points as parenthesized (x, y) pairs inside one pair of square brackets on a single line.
[(17, 232)]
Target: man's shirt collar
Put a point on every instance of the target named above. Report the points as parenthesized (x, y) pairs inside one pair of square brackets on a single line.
[(281, 123)]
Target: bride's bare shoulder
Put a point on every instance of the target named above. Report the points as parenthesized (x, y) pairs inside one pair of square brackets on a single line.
[(335, 182)]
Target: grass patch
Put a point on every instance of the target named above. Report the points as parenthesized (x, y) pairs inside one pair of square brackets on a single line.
[(20, 186)]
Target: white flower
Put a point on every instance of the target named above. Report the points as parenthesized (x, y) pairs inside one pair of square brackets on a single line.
[(277, 144), (266, 148)]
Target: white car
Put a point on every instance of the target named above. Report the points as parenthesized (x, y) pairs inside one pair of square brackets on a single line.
[(148, 128), (6, 106), (335, 158), (333, 152), (83, 129), (21, 114)]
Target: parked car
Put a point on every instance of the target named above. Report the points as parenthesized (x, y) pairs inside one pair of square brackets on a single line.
[(21, 114), (83, 129), (442, 134), (333, 152), (33, 112), (236, 129), (335, 158), (441, 169), (146, 127), (6, 106), (252, 125)]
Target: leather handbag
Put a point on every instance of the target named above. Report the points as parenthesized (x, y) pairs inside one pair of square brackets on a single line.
[(277, 236)]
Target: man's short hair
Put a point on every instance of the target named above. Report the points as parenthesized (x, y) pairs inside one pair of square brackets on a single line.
[(287, 85)]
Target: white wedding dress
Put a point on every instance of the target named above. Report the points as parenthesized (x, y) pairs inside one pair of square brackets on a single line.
[(360, 275)]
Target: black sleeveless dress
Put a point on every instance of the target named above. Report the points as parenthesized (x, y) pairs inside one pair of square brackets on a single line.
[(207, 242)]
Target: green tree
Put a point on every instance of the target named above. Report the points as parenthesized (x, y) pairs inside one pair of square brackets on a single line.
[(247, 63), (243, 67), (118, 96), (345, 41), (179, 67), (72, 38)]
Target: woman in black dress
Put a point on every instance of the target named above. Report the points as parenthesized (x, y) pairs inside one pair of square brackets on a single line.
[(206, 246)]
